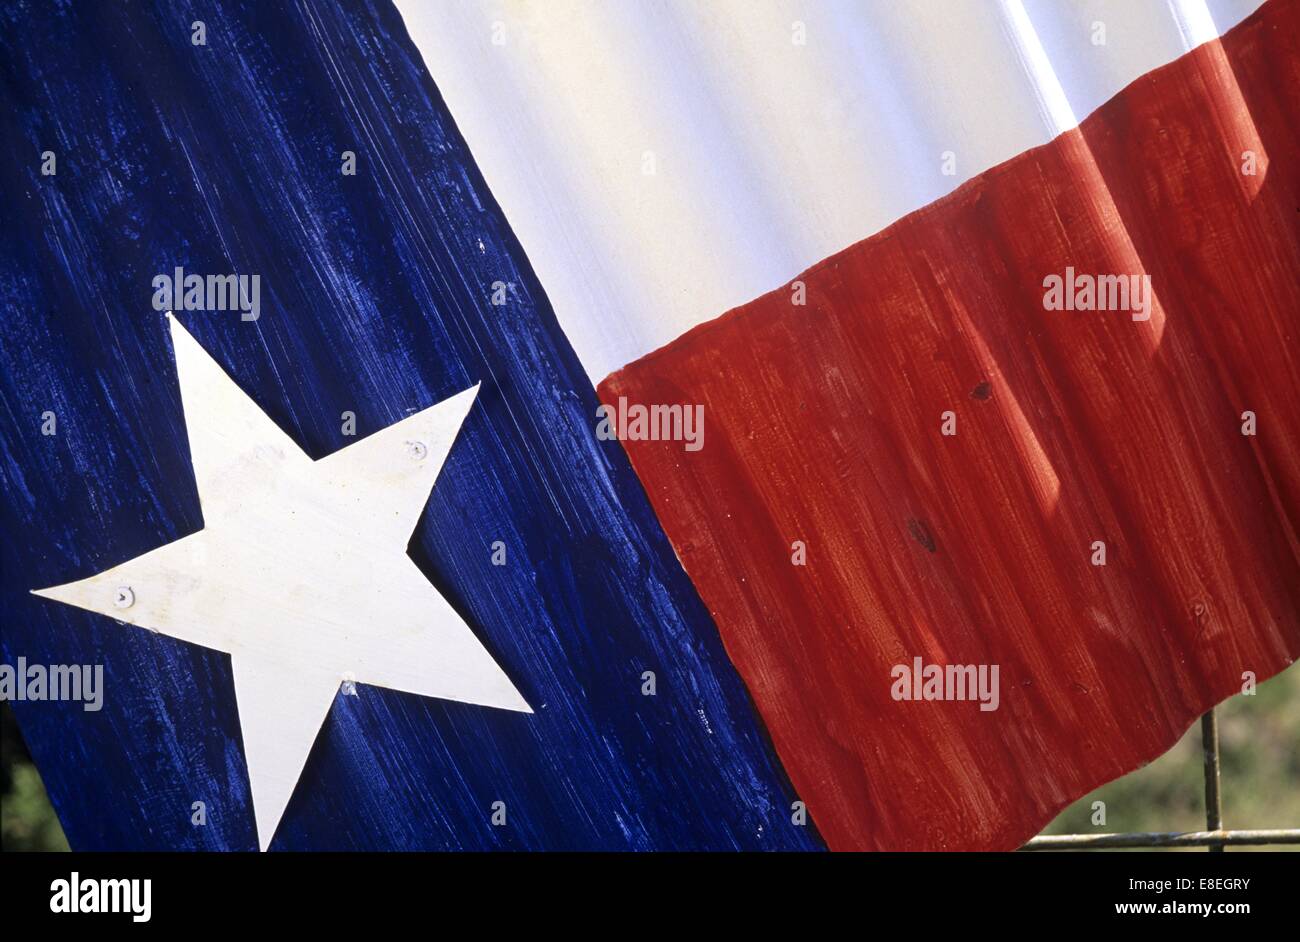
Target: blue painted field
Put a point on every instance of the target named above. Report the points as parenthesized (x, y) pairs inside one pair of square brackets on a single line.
[(375, 297)]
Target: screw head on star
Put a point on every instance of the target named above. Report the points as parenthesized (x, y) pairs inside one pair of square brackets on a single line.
[(300, 573)]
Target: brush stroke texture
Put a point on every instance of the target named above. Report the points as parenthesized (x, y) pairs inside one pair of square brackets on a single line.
[(375, 299), (781, 130), (823, 425)]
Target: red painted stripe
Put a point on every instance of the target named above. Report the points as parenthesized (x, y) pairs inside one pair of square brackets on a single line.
[(822, 424)]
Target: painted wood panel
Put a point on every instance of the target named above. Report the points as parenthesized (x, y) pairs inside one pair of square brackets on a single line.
[(375, 299), (663, 162), (825, 425)]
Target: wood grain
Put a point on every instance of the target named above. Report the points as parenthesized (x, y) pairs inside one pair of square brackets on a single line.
[(375, 299), (824, 426)]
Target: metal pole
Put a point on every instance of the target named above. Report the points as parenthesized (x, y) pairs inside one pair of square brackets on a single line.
[(1189, 839), (1214, 838), (1213, 802)]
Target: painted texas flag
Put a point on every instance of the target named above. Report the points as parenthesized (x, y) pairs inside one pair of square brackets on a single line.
[(723, 426)]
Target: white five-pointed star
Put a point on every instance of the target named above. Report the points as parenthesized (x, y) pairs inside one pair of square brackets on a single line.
[(300, 574)]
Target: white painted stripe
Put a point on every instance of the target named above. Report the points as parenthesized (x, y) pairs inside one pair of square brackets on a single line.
[(1054, 107), (767, 155)]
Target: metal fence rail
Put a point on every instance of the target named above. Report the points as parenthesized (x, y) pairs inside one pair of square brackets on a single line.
[(1214, 838)]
